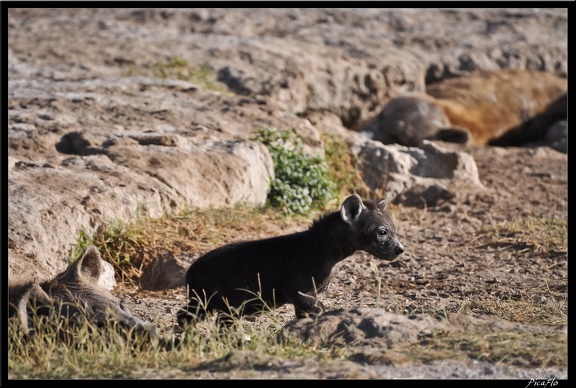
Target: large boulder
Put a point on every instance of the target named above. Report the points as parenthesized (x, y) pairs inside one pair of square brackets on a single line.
[(88, 152), (50, 203), (415, 176)]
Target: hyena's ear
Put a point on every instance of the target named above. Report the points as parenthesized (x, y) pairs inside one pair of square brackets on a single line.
[(382, 204), (351, 208), (91, 264), (88, 267)]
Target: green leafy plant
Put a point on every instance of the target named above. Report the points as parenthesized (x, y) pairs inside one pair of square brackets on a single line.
[(301, 182), (173, 67)]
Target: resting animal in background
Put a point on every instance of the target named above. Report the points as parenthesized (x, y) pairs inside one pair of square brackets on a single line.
[(73, 295), (536, 129), (476, 109), (292, 268)]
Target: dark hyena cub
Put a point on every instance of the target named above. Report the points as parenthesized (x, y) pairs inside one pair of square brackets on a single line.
[(250, 275), (74, 297)]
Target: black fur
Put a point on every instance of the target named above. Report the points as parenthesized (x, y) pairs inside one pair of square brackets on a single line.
[(292, 268)]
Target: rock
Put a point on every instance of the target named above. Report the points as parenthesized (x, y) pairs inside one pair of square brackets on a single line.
[(213, 174), (400, 170), (425, 196), (49, 207), (107, 279), (378, 329), (164, 273), (362, 327)]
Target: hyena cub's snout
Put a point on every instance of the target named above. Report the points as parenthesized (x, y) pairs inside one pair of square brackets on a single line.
[(399, 248), (390, 250)]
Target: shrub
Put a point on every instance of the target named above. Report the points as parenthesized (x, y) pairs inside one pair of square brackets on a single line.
[(301, 182)]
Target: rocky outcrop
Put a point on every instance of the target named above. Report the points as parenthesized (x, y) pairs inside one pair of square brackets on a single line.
[(345, 61), (52, 202), (376, 328)]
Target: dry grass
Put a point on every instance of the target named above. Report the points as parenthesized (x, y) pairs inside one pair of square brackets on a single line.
[(63, 351), (531, 234), (505, 348)]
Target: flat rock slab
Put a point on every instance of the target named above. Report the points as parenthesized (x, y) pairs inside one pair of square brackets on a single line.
[(377, 328)]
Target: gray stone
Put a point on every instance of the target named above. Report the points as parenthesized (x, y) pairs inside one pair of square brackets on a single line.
[(397, 169)]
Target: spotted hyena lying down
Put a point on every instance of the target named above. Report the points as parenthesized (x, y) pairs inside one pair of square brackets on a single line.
[(73, 297), (479, 109)]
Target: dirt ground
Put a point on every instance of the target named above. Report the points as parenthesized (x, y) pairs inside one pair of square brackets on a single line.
[(452, 262)]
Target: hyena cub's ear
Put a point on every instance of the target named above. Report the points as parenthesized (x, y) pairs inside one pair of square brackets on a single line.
[(87, 268), (382, 204), (91, 264), (351, 208)]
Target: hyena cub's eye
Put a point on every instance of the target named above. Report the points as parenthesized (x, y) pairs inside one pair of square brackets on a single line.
[(382, 232)]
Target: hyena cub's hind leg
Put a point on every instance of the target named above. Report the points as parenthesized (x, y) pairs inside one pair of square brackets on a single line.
[(194, 311), (306, 305), (197, 310)]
